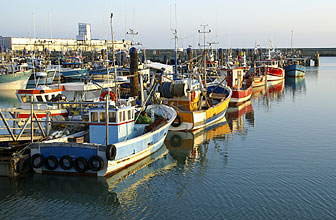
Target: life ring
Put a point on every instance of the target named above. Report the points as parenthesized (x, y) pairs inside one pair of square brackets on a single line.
[(33, 161), (178, 122), (23, 166), (103, 95), (81, 165), (66, 162), (175, 141), (111, 152), (95, 163), (51, 162)]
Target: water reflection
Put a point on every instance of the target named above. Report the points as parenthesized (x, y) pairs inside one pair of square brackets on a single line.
[(272, 91), (312, 73), (240, 118), (8, 99), (106, 196), (189, 147), (295, 85), (141, 171), (46, 194)]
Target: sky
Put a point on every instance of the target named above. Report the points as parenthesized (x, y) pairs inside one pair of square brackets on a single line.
[(233, 24)]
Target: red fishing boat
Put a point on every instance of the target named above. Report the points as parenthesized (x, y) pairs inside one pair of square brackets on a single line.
[(241, 84), (271, 69)]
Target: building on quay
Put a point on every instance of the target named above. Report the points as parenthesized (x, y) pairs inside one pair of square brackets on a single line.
[(83, 42)]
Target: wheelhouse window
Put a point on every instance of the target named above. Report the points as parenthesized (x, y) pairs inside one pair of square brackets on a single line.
[(120, 116), (112, 117), (129, 115), (102, 116), (94, 116), (124, 115), (39, 98), (26, 98)]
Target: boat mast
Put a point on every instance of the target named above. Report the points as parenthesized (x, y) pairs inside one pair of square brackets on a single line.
[(204, 32), (175, 36), (292, 42), (113, 58), (133, 33)]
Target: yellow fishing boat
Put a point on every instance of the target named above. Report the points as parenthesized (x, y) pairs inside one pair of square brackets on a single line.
[(195, 108)]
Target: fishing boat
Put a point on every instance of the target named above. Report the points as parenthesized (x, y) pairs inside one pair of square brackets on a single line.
[(41, 78), (73, 69), (293, 68), (185, 95), (110, 143), (271, 68), (259, 77), (14, 77), (240, 82), (39, 94)]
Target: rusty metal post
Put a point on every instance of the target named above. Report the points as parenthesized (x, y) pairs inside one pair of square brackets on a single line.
[(31, 122)]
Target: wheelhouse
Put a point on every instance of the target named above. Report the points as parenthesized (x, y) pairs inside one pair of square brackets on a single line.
[(120, 123)]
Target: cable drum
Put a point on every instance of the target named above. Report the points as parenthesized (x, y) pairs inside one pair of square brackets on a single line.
[(180, 89), (169, 89)]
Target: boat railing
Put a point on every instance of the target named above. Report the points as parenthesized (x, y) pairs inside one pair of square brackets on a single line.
[(19, 128)]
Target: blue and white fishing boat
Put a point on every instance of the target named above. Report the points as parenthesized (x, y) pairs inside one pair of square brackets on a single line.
[(294, 69), (109, 145), (73, 69), (41, 78)]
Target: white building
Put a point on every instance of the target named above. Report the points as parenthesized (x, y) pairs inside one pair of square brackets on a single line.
[(84, 32), (83, 42)]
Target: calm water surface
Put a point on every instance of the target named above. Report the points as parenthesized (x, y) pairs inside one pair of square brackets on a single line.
[(273, 158)]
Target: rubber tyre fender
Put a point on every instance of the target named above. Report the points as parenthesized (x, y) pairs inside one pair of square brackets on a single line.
[(178, 122), (84, 162), (111, 152), (176, 141), (33, 158), (62, 164), (97, 159), (23, 166), (48, 160)]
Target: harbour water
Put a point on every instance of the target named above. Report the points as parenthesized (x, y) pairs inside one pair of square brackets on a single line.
[(273, 158)]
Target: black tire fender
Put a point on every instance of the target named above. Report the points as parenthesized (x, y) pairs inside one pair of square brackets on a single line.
[(23, 166), (62, 163), (92, 161), (111, 152), (33, 158), (53, 165), (77, 166), (178, 122)]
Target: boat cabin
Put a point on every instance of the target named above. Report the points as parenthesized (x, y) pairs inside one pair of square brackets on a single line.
[(235, 78), (40, 94), (120, 124), (268, 63)]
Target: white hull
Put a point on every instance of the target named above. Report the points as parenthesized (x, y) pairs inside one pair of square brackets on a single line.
[(239, 100), (19, 84), (117, 165), (273, 78)]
